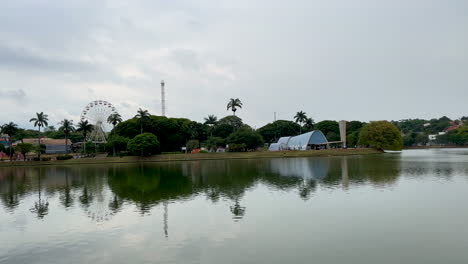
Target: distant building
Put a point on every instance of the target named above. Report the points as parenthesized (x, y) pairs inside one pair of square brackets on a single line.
[(427, 124), (432, 137), (311, 140), (53, 146), (5, 140), (452, 126)]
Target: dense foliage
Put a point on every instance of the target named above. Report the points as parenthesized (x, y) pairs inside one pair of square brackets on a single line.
[(381, 135), (145, 144), (173, 133), (247, 136), (193, 144), (271, 132), (330, 129), (117, 144), (416, 131), (24, 148)]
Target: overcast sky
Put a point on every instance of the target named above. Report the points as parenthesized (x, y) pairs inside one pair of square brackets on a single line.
[(353, 60)]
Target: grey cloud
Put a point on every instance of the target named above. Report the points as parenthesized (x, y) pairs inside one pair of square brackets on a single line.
[(19, 58), (18, 94), (332, 59)]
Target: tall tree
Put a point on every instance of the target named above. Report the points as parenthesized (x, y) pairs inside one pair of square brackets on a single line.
[(40, 121), (84, 127), (24, 148), (142, 116), (10, 129), (309, 124), (300, 118), (211, 121), (381, 135), (67, 127), (233, 104), (114, 119)]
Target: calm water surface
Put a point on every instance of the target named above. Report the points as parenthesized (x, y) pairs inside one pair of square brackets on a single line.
[(391, 208)]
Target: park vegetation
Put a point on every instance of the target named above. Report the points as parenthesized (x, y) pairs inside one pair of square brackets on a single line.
[(381, 135), (146, 134)]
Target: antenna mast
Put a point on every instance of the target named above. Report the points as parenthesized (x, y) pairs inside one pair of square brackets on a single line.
[(163, 99)]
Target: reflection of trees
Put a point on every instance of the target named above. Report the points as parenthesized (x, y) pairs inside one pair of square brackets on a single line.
[(12, 187), (237, 210), (227, 179), (102, 191), (66, 197), (41, 207), (306, 188), (147, 185), (115, 204)]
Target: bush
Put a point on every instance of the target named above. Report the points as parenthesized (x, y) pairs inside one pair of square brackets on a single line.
[(116, 143), (64, 157), (44, 158), (40, 148), (203, 151), (145, 144), (247, 136), (193, 144), (24, 148), (237, 147), (36, 159), (89, 148), (215, 142), (381, 135)]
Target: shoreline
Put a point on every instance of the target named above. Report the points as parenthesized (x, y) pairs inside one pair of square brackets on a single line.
[(197, 157), (436, 147)]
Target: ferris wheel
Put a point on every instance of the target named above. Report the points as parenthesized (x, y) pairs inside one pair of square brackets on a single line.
[(97, 113)]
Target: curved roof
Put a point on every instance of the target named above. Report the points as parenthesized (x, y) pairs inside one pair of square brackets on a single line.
[(300, 142), (283, 140)]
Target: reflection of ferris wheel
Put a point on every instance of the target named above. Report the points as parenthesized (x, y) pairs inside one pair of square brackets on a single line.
[(97, 113)]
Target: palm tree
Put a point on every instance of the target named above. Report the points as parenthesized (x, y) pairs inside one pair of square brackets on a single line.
[(10, 129), (309, 124), (84, 127), (114, 119), (142, 116), (233, 104), (300, 117), (211, 120), (67, 127), (40, 121)]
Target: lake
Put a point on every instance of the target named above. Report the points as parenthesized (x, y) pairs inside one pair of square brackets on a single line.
[(387, 208)]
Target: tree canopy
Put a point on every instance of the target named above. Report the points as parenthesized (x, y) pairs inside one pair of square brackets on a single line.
[(24, 148), (271, 132), (145, 144), (330, 129), (381, 135), (247, 136), (172, 133)]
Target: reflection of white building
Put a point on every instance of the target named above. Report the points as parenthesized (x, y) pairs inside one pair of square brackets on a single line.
[(307, 168)]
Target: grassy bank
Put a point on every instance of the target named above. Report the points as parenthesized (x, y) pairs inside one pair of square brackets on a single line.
[(200, 156)]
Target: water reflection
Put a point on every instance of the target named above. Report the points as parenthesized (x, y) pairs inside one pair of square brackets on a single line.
[(103, 191)]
